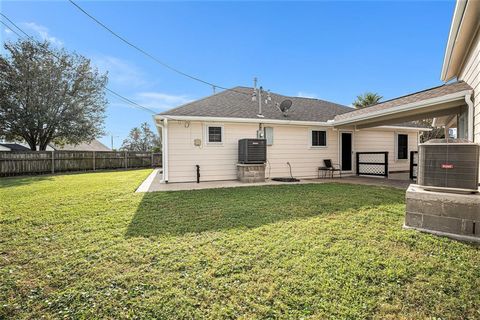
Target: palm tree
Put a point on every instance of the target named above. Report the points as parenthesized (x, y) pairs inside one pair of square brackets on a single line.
[(366, 100)]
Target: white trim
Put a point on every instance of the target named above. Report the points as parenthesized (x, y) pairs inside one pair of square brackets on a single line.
[(328, 124), (164, 128), (470, 126), (452, 36), (353, 164), (310, 138), (207, 136), (401, 128), (244, 120), (407, 107)]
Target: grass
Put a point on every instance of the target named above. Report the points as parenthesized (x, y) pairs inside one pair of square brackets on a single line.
[(86, 246)]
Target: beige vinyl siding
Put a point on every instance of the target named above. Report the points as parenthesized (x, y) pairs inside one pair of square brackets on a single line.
[(293, 144), (290, 144), (470, 73), (218, 162), (382, 140)]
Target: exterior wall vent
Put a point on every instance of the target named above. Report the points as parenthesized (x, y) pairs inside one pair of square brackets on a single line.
[(252, 151), (449, 165)]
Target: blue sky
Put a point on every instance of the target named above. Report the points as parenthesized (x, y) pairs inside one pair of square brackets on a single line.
[(328, 50)]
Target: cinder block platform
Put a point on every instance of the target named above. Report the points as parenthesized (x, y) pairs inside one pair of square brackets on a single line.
[(251, 173), (447, 214)]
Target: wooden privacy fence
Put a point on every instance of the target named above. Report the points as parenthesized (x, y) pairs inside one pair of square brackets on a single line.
[(38, 162)]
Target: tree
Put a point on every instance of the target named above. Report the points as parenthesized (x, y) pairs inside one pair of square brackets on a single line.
[(49, 95), (435, 133), (142, 139), (366, 100)]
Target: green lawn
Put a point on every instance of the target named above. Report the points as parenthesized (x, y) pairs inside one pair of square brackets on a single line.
[(86, 246)]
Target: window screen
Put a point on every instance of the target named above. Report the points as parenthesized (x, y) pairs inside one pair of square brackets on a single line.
[(214, 134), (402, 146), (319, 138)]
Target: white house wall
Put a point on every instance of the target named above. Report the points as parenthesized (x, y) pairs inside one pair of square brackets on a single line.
[(381, 141), (470, 73), (290, 144)]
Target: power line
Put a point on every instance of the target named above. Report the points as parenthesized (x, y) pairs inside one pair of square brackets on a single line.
[(149, 55), (11, 29), (58, 58)]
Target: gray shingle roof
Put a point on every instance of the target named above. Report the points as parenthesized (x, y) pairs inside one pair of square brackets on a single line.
[(94, 145), (15, 147), (237, 103), (414, 97)]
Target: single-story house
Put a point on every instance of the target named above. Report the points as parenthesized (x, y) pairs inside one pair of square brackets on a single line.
[(206, 132)]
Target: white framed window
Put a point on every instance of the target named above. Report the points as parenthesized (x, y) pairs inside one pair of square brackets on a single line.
[(318, 138), (402, 146), (214, 134)]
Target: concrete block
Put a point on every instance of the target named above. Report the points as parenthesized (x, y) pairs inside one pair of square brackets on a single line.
[(413, 220), (450, 214), (251, 173), (445, 224), (425, 206)]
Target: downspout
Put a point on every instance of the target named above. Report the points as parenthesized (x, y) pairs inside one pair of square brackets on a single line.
[(164, 149), (468, 100)]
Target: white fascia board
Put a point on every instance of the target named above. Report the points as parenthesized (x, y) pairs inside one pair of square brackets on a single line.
[(452, 37), (245, 120), (402, 128), (407, 107)]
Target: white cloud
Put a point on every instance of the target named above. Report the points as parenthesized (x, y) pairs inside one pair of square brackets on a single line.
[(161, 101), (8, 31), (120, 72), (156, 101), (306, 95), (43, 33)]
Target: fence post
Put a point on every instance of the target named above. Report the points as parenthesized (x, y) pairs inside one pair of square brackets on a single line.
[(53, 161), (93, 160), (386, 164), (126, 164), (152, 159), (358, 160)]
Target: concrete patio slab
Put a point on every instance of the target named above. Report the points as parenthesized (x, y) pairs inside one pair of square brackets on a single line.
[(153, 184)]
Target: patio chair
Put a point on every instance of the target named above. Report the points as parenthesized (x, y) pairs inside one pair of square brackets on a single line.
[(329, 167)]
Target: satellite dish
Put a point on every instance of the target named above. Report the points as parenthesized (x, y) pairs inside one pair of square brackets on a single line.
[(285, 105)]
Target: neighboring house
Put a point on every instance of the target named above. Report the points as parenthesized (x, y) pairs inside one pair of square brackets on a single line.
[(206, 133), (94, 145), (13, 147)]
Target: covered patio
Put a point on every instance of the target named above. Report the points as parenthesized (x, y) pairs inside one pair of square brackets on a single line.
[(450, 106)]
